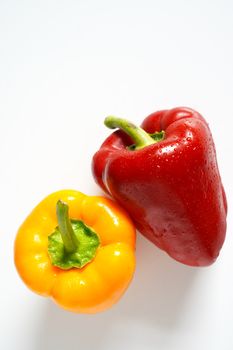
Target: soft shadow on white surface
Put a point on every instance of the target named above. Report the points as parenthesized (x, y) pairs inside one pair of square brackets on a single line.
[(155, 300)]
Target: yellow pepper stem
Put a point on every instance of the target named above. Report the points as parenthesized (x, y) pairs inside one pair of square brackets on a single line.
[(65, 227), (72, 244)]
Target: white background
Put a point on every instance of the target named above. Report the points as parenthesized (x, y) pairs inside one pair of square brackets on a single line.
[(64, 66)]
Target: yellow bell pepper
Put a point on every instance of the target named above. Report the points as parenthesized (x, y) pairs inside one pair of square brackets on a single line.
[(84, 263)]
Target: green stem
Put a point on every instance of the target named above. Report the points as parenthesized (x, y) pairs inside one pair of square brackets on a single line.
[(66, 230), (139, 136)]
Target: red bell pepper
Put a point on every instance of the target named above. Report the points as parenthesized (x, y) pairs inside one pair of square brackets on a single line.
[(166, 176)]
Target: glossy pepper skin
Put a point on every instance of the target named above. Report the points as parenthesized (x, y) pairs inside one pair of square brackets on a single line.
[(100, 283), (172, 188)]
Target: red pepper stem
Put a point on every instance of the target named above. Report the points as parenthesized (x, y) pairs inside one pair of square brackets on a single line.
[(65, 228), (139, 136)]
